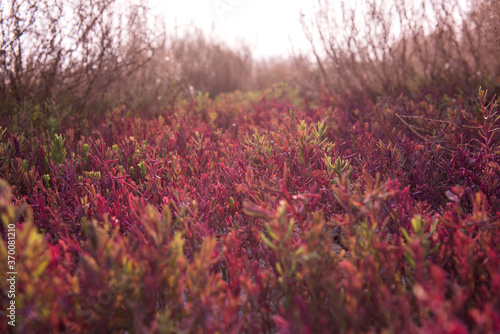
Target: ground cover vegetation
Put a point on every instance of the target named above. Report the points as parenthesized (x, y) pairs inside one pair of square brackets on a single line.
[(159, 202)]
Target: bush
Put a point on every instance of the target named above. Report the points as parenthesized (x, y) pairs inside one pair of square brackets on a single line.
[(72, 50), (210, 66), (377, 47)]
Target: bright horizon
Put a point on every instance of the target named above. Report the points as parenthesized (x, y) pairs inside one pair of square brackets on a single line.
[(266, 27)]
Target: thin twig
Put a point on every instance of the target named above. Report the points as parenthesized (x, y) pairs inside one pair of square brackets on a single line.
[(409, 126)]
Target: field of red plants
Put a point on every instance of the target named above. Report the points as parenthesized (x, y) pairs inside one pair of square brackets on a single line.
[(256, 213)]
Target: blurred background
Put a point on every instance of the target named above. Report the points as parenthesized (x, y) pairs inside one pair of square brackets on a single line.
[(268, 27), (57, 56)]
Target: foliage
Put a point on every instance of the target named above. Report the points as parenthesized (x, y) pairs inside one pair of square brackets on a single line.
[(254, 214)]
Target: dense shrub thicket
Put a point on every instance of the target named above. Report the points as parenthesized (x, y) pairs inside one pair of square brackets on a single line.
[(89, 56), (250, 213), (388, 46)]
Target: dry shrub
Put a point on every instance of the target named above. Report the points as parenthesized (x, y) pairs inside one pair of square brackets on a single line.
[(74, 55), (190, 62), (74, 50), (381, 46), (208, 65)]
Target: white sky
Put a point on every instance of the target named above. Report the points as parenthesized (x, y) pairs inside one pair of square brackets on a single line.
[(266, 25)]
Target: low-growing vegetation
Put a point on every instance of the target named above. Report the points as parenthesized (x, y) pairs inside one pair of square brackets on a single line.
[(247, 213)]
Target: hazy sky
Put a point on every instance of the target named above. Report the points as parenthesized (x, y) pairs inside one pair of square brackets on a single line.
[(267, 25)]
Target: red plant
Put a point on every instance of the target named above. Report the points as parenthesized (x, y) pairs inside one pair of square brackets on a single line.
[(255, 215)]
